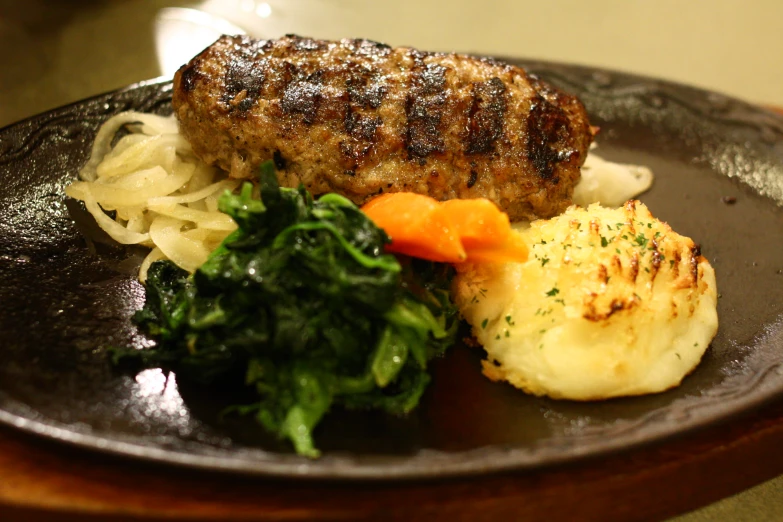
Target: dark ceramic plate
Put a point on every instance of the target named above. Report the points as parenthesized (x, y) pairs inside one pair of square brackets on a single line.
[(66, 293)]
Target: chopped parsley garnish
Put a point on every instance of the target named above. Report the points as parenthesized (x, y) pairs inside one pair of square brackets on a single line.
[(641, 240), (553, 292)]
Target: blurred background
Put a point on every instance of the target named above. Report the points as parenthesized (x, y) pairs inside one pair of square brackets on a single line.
[(56, 52)]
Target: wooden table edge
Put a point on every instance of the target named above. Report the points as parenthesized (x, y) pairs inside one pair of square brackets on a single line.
[(52, 481)]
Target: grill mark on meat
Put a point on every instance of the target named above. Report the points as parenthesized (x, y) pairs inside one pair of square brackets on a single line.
[(370, 97), (364, 93), (191, 75), (472, 179), (279, 78), (306, 44), (303, 97), (549, 140), (547, 129), (361, 127), (486, 116), (366, 88), (242, 80), (245, 76), (423, 108), (354, 153), (280, 162), (368, 48)]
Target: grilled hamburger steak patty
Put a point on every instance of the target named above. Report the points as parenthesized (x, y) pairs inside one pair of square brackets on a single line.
[(360, 118)]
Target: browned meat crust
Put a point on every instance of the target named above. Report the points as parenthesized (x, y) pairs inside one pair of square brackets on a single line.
[(360, 118)]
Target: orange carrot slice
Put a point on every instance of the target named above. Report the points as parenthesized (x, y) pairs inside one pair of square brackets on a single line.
[(478, 222), (416, 227), (452, 231), (513, 250)]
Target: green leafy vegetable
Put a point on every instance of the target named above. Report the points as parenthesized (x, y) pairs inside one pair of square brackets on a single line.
[(302, 300)]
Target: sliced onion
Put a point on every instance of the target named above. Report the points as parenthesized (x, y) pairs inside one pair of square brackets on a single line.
[(117, 232), (155, 150), (155, 255), (135, 219), (214, 188), (202, 219), (210, 238), (609, 183), (123, 144), (185, 252), (103, 139), (136, 180), (111, 197)]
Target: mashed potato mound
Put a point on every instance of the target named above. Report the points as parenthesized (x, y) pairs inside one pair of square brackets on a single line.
[(610, 303)]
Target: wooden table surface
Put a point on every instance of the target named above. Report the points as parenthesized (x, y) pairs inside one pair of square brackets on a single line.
[(41, 480)]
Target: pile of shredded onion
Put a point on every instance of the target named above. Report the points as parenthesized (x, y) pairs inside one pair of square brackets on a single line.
[(165, 198), (162, 195)]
